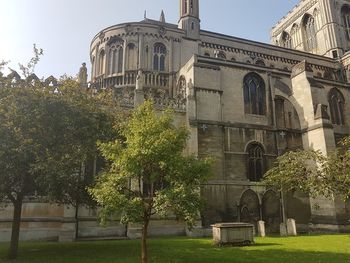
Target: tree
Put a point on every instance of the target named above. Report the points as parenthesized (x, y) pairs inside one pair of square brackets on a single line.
[(337, 170), (313, 173), (20, 110), (149, 174), (79, 120), (47, 137), (298, 171)]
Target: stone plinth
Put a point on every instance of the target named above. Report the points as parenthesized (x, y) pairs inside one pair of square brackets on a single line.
[(233, 234)]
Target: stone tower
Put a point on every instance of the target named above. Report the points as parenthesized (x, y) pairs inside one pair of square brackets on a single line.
[(316, 26), (189, 18)]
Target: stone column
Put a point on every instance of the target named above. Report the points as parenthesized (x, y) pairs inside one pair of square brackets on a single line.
[(141, 52)]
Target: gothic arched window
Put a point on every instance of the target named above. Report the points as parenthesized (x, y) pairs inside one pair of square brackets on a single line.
[(101, 62), (159, 53), (309, 30), (255, 162), (336, 105), (115, 64), (345, 14), (254, 94), (286, 40)]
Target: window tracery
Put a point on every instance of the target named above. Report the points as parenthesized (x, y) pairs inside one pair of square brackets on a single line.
[(254, 94), (115, 64), (159, 54), (255, 162), (345, 14), (286, 40), (336, 104), (310, 42)]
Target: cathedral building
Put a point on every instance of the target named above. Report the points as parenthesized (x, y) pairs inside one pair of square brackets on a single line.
[(244, 102)]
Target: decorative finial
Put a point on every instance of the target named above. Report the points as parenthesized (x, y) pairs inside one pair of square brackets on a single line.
[(145, 15)]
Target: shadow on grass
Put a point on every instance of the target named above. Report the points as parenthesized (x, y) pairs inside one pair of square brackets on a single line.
[(175, 251), (265, 244)]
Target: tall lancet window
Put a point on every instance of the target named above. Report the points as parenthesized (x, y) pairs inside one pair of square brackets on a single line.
[(115, 64), (336, 103), (191, 6), (254, 94), (159, 54), (101, 62), (345, 13), (185, 6), (309, 30), (286, 40), (255, 162)]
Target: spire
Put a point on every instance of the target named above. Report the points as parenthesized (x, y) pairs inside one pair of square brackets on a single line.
[(162, 17), (189, 18), (145, 15)]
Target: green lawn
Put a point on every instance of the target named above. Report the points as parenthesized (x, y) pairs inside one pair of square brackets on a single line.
[(313, 249)]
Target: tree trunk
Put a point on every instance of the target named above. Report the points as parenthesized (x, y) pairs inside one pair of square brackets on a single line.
[(144, 253), (15, 228), (76, 220)]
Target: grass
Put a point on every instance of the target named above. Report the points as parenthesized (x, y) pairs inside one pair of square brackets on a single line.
[(315, 249)]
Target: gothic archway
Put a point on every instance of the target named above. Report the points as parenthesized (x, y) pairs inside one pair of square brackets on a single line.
[(249, 207)]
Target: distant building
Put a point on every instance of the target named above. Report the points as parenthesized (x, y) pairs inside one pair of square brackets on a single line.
[(244, 102)]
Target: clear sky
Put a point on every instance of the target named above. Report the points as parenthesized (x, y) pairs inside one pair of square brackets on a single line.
[(64, 28)]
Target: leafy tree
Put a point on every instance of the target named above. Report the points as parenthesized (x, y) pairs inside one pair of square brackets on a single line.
[(78, 120), (20, 110), (47, 136), (338, 170), (149, 174), (29, 68), (298, 171), (313, 173)]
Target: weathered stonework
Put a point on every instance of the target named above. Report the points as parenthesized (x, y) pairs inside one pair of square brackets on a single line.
[(201, 75)]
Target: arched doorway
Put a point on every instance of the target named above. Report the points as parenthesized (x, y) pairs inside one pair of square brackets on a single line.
[(249, 207), (271, 211)]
